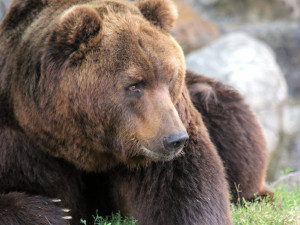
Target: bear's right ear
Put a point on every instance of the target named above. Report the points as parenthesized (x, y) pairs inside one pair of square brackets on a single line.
[(78, 29), (162, 13)]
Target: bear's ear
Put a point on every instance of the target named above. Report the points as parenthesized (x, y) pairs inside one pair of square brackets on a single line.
[(78, 29), (162, 13)]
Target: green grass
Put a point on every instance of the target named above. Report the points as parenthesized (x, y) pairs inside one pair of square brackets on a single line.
[(114, 219), (285, 210)]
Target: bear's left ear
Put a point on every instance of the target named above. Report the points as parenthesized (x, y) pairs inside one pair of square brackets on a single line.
[(162, 13), (77, 30)]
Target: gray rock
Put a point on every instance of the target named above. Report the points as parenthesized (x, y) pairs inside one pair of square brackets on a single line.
[(291, 117), (292, 180), (286, 155), (249, 66), (289, 153), (293, 6), (4, 5), (284, 38)]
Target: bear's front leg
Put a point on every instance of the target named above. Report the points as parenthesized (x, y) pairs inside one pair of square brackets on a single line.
[(21, 209), (29, 181), (189, 190)]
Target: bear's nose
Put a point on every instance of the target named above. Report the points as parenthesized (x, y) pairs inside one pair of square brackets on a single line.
[(175, 141)]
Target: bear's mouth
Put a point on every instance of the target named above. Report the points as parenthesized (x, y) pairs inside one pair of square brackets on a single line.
[(161, 157)]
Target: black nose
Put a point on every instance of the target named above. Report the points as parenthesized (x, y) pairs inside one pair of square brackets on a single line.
[(175, 141)]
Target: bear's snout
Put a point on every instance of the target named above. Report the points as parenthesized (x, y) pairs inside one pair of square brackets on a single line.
[(175, 141)]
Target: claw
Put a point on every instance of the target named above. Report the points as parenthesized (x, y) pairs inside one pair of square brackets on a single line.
[(67, 217), (56, 200), (66, 210)]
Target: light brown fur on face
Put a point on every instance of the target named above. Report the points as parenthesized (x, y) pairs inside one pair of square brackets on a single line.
[(159, 119), (95, 123), (139, 61)]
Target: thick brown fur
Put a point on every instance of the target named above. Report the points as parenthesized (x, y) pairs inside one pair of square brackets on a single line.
[(181, 196), (88, 90), (160, 12), (235, 132)]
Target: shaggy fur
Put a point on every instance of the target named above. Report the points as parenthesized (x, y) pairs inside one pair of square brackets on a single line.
[(236, 134), (185, 190), (88, 90), (162, 13)]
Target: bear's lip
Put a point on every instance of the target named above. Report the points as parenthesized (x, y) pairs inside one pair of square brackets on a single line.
[(160, 157)]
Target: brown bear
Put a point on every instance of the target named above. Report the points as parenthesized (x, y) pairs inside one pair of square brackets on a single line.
[(95, 114), (236, 134)]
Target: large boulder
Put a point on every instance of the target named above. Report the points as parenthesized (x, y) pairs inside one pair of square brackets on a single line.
[(290, 152), (250, 67), (291, 119), (284, 38)]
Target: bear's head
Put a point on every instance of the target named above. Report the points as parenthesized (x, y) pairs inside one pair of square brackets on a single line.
[(97, 83)]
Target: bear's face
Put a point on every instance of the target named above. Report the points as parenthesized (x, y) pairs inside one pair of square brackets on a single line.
[(109, 82)]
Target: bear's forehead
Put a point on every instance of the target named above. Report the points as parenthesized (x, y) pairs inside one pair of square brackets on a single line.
[(143, 57), (132, 36), (135, 46), (149, 71), (113, 8)]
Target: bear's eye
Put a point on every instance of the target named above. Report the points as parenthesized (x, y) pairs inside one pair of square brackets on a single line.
[(135, 88)]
